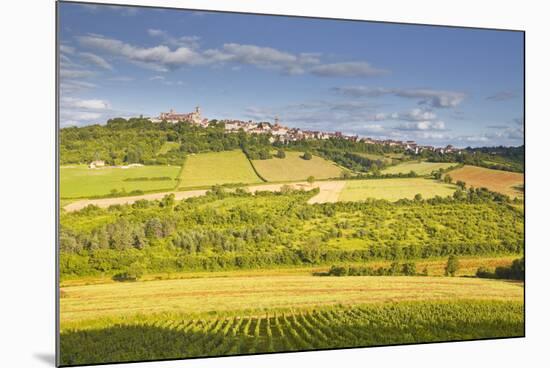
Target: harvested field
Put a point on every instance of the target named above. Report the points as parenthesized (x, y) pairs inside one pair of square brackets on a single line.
[(495, 180)]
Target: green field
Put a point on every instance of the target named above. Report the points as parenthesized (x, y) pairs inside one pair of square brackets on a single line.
[(394, 189), (420, 168), (207, 169), (80, 181), (239, 315), (294, 168)]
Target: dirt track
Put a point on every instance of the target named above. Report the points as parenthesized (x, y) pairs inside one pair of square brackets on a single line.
[(329, 191)]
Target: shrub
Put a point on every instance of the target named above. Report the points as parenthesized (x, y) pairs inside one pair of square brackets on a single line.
[(485, 273), (338, 271), (307, 156), (409, 269), (452, 265), (133, 273)]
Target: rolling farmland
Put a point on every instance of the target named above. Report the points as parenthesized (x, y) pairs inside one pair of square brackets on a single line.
[(394, 189), (294, 168), (243, 315), (207, 169), (496, 180), (78, 181), (421, 168)]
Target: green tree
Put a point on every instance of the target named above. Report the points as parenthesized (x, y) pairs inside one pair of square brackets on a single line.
[(409, 269), (447, 179), (461, 184), (452, 265), (280, 154), (418, 197), (307, 156), (310, 179)]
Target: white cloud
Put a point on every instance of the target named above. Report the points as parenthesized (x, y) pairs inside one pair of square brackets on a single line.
[(183, 41), (186, 52), (66, 49), (157, 77), (372, 128), (82, 115), (78, 111), (96, 60), (158, 58), (417, 115), (262, 57), (429, 97), (347, 69), (433, 98), (91, 104), (422, 125)]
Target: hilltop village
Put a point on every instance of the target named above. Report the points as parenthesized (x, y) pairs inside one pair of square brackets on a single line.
[(285, 134)]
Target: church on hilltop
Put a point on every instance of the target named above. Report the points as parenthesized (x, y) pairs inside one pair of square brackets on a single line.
[(174, 117)]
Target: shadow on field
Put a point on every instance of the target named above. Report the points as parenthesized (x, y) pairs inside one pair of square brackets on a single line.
[(133, 343), (177, 337)]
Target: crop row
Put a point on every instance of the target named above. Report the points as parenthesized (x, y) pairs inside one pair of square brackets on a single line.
[(172, 336)]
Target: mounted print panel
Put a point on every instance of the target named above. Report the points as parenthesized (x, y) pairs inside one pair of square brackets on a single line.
[(235, 184)]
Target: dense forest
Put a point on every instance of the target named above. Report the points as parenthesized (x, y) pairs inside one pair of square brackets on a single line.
[(239, 230)]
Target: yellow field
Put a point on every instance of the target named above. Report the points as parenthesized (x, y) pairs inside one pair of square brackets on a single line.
[(207, 169), (495, 180), (259, 293), (420, 168), (293, 168), (394, 189)]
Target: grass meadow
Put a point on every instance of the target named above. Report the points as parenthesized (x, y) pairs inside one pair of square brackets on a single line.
[(421, 168), (294, 168), (496, 180), (77, 181), (207, 169), (393, 189)]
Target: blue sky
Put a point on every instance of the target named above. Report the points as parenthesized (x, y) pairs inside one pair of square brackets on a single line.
[(435, 85)]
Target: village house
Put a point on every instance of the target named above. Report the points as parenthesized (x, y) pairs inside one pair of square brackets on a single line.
[(284, 134)]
